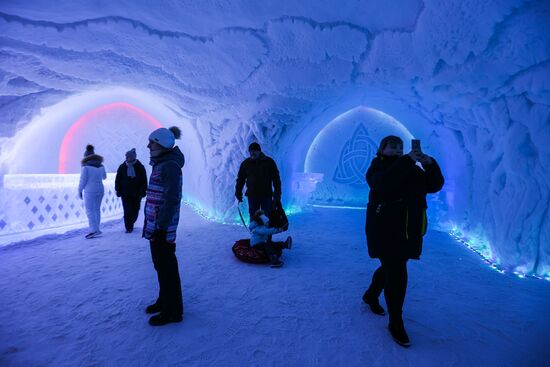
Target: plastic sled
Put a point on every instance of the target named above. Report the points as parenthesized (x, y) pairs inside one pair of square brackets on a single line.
[(247, 254)]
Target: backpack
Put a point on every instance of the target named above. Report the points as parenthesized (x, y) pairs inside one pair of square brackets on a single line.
[(277, 217)]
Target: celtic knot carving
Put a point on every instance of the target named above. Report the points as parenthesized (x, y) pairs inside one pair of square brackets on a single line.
[(355, 158)]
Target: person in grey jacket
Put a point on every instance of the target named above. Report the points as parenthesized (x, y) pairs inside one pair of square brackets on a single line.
[(91, 183), (162, 209), (260, 237)]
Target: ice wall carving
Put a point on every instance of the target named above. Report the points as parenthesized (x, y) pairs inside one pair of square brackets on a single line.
[(470, 78), (342, 152), (355, 158)]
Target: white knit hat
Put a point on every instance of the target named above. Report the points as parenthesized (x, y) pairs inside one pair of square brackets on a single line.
[(164, 137)]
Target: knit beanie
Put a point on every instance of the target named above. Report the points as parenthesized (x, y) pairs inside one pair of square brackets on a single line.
[(89, 150), (131, 154), (165, 137)]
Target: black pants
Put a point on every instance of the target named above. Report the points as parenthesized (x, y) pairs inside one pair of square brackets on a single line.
[(166, 265), (255, 203), (269, 248), (131, 205), (391, 277)]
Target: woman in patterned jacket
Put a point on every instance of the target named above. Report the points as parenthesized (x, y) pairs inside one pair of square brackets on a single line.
[(162, 208)]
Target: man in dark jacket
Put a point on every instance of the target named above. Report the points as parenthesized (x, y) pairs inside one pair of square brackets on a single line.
[(396, 223), (130, 186), (162, 209), (263, 184)]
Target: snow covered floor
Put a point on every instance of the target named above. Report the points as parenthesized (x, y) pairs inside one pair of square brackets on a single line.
[(66, 301)]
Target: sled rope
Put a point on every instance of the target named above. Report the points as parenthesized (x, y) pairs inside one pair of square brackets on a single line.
[(241, 215)]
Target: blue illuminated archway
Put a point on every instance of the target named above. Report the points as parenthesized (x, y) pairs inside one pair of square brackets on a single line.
[(341, 152)]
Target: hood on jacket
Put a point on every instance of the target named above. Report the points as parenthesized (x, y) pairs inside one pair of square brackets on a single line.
[(92, 160), (173, 154)]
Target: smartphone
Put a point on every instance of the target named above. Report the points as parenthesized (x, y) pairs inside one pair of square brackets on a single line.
[(415, 145)]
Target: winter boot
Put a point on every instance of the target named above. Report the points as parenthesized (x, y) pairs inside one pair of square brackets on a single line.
[(373, 304), (154, 308), (288, 243), (275, 262), (398, 333), (162, 319)]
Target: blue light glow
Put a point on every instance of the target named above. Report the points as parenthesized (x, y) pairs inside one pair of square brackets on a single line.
[(482, 247), (339, 207), (341, 153)]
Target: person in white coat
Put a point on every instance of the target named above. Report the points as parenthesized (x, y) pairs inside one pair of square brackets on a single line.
[(91, 182)]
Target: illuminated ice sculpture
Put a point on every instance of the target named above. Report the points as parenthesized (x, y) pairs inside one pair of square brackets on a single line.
[(342, 152)]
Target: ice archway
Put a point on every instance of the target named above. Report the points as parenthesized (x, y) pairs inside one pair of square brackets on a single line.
[(77, 135), (110, 120), (54, 141), (342, 151)]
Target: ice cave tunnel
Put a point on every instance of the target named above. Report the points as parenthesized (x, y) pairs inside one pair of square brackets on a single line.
[(317, 84)]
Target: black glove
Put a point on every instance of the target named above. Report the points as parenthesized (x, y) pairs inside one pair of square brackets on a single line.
[(159, 236), (239, 197)]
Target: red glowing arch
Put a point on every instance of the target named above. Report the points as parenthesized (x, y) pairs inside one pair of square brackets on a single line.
[(64, 152)]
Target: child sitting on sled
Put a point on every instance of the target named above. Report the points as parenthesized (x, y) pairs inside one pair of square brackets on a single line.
[(261, 237)]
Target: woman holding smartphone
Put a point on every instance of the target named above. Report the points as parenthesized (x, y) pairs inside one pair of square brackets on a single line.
[(396, 222)]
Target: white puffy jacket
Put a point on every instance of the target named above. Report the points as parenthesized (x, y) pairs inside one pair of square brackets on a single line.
[(260, 233), (91, 179)]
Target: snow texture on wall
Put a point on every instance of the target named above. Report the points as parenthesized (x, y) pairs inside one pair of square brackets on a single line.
[(470, 78)]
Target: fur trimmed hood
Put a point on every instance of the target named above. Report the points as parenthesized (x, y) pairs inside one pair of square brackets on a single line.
[(92, 160)]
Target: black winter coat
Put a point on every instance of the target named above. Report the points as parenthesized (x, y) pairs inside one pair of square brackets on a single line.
[(260, 175), (131, 186), (396, 212)]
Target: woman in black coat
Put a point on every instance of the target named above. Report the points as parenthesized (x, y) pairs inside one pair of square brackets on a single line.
[(131, 186), (396, 223)]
